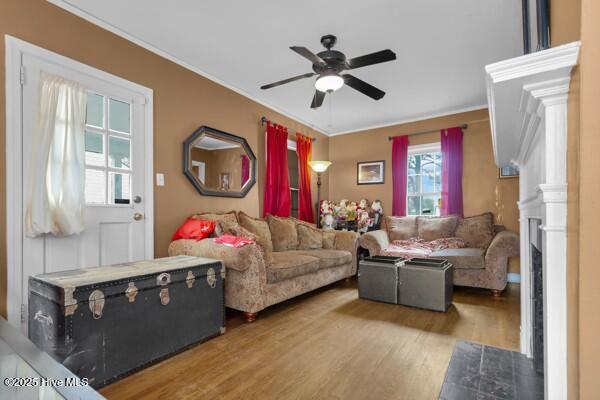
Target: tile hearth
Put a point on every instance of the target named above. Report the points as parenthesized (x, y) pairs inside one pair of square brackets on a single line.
[(479, 372)]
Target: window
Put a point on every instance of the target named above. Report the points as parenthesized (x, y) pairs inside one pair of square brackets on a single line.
[(293, 174), (107, 150), (424, 181)]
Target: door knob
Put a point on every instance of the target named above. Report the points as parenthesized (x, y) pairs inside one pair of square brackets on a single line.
[(138, 216)]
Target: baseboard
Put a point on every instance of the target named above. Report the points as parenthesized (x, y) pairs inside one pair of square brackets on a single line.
[(513, 277)]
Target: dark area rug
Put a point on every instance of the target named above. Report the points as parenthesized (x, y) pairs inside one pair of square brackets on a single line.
[(480, 372)]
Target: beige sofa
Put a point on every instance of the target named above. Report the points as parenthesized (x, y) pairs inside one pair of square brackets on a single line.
[(478, 249), (290, 258)]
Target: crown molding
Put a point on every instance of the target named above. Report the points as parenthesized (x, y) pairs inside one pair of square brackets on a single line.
[(410, 120)]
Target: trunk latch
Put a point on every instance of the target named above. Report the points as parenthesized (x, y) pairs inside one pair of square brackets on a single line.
[(96, 303), (131, 292), (211, 278)]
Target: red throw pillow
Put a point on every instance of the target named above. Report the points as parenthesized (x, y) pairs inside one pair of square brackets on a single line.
[(196, 229)]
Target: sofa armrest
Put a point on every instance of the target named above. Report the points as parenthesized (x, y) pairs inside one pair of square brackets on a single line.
[(246, 271), (347, 240), (504, 245), (374, 241)]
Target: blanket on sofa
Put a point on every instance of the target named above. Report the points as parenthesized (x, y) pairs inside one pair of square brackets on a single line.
[(415, 247)]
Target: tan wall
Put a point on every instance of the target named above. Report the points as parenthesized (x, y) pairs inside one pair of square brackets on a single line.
[(589, 202), (482, 189), (565, 23), (183, 101)]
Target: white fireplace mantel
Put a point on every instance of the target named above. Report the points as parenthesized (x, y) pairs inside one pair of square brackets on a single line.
[(527, 98)]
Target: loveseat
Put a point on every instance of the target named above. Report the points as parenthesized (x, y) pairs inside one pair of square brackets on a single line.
[(290, 257), (478, 249)]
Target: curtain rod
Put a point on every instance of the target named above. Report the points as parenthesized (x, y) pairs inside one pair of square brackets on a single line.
[(463, 126), (264, 120)]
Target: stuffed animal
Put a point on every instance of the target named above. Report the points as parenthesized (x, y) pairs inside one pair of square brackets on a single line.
[(351, 211), (326, 215), (377, 212)]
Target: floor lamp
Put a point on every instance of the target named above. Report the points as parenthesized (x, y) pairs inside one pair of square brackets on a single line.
[(319, 167)]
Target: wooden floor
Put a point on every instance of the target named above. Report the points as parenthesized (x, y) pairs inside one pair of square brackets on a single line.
[(330, 344)]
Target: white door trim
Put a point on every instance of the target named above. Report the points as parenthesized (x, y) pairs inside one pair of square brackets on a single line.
[(15, 49)]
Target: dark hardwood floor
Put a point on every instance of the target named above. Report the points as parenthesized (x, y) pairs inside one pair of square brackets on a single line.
[(330, 344)]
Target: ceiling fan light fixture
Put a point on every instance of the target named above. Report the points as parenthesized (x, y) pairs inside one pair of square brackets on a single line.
[(329, 83)]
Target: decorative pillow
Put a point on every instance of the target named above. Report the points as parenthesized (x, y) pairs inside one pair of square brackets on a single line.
[(329, 240), (401, 228), (259, 228), (195, 229), (309, 238), (476, 231), (432, 228), (283, 233), (228, 220)]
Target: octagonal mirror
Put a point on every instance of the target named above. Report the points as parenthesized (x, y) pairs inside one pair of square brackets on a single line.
[(219, 163)]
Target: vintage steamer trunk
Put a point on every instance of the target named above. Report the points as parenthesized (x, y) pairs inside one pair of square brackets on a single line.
[(378, 278), (426, 283), (106, 322)]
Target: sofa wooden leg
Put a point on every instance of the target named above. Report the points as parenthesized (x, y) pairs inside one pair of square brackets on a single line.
[(250, 316), (496, 292)]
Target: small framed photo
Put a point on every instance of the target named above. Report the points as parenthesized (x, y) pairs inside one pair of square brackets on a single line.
[(509, 172), (370, 172)]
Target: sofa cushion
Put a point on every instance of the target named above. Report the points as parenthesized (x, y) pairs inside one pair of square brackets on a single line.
[(401, 228), (283, 233), (259, 228), (467, 258), (286, 265), (327, 258), (329, 240), (432, 228), (309, 237), (476, 231), (227, 221)]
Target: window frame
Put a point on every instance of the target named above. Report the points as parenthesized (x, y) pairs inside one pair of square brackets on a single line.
[(106, 134), (419, 149)]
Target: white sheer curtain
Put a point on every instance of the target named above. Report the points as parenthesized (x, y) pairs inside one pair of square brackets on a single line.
[(55, 192)]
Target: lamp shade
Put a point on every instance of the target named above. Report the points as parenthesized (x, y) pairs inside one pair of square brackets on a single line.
[(319, 166)]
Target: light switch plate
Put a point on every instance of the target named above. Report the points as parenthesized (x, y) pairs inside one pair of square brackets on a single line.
[(160, 179)]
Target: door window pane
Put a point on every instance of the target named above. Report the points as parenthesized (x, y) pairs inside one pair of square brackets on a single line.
[(94, 149), (119, 116), (95, 186), (94, 111), (120, 188), (119, 152)]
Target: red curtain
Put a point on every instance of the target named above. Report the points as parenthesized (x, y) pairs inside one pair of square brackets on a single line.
[(304, 150), (245, 169), (399, 174), (452, 165), (277, 181)]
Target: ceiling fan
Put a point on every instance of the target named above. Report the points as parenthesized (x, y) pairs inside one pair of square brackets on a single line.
[(329, 65)]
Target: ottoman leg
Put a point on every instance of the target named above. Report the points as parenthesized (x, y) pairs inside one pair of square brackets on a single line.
[(250, 316), (496, 292)]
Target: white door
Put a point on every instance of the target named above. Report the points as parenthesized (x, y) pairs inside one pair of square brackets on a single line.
[(115, 178)]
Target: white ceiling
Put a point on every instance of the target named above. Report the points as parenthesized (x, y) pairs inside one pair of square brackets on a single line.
[(442, 47)]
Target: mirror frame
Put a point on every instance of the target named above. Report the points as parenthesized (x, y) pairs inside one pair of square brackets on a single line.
[(226, 136)]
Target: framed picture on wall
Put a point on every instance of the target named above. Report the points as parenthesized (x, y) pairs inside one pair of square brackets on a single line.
[(509, 172), (370, 172), (536, 25)]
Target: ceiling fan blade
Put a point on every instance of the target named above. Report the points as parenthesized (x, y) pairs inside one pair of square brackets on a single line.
[(288, 80), (317, 99), (373, 58), (306, 53), (363, 87)]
